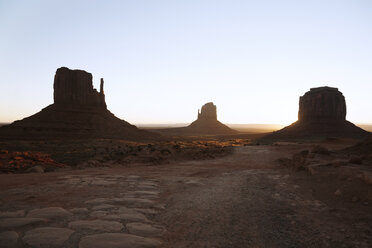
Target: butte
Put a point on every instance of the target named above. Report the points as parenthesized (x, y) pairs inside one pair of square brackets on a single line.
[(322, 114), (206, 124), (78, 111)]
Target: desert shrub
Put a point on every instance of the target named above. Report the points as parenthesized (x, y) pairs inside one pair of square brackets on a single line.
[(320, 150), (299, 159)]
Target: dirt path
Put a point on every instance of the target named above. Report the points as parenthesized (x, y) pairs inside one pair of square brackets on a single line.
[(243, 200)]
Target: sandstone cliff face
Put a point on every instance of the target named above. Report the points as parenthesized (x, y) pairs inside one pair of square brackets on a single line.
[(75, 87), (208, 111), (323, 104)]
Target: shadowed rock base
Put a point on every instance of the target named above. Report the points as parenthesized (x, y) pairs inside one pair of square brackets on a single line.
[(308, 131)]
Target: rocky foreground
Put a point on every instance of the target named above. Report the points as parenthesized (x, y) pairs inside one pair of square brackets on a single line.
[(120, 221), (284, 195)]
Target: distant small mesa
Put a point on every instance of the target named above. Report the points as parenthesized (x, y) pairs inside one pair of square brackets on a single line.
[(79, 111), (322, 114)]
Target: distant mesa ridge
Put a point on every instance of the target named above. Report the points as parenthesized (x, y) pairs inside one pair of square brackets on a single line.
[(79, 111), (322, 114)]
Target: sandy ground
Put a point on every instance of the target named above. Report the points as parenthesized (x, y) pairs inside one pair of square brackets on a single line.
[(246, 199)]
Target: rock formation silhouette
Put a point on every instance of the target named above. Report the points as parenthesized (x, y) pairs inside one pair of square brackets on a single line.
[(74, 87), (323, 104), (79, 111), (322, 114), (205, 124)]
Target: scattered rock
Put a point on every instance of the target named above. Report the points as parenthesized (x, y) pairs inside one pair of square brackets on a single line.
[(367, 177), (20, 222), (9, 239), (338, 192), (144, 230), (52, 212), (117, 240), (96, 225), (47, 237), (320, 150), (338, 163)]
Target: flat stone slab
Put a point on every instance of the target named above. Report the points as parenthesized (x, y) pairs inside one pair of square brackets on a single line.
[(146, 210), (103, 182), (144, 230), (47, 237), (125, 210), (133, 177), (98, 201), (49, 213), (20, 222), (148, 184), (135, 217), (103, 207), (8, 239), (146, 192), (13, 214), (99, 213), (135, 202), (117, 240), (96, 225), (146, 187), (79, 210)]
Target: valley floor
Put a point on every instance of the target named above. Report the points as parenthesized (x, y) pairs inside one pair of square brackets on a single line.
[(246, 199)]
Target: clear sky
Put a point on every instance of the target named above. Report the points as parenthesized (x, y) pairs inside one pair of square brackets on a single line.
[(162, 60)]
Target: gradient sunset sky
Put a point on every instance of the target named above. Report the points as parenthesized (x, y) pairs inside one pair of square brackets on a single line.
[(162, 60)]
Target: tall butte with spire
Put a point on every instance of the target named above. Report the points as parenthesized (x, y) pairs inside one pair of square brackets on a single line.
[(321, 114), (78, 111)]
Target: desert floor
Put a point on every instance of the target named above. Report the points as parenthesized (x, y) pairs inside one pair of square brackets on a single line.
[(246, 199)]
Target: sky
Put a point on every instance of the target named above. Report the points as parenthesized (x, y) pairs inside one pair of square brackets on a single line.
[(162, 60)]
